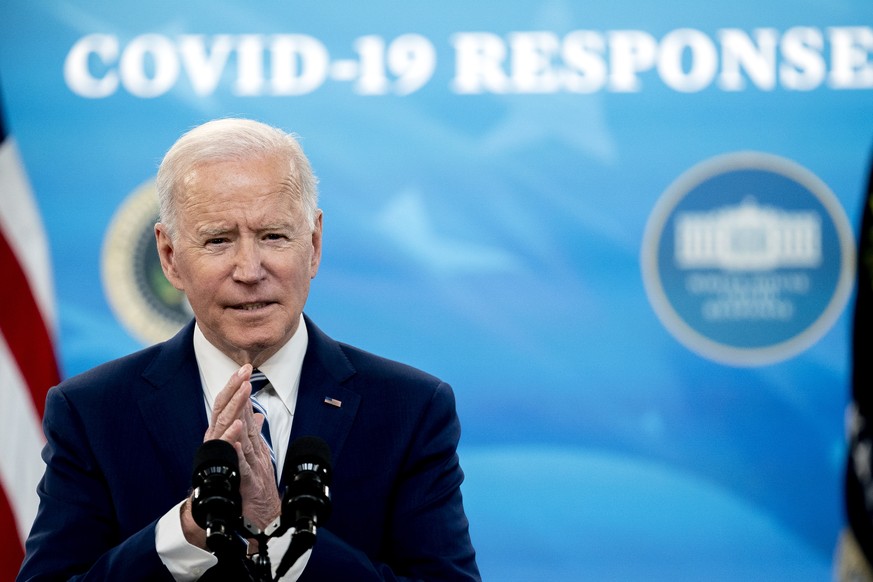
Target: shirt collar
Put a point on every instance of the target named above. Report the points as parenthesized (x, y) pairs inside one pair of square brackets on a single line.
[(283, 368)]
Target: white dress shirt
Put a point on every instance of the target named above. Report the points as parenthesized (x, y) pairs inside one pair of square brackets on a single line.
[(185, 561)]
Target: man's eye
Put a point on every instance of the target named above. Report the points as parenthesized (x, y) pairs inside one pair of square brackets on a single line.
[(274, 236), (216, 241)]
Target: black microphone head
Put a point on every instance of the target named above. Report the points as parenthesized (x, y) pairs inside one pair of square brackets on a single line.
[(216, 505), (215, 453), (306, 501), (311, 452)]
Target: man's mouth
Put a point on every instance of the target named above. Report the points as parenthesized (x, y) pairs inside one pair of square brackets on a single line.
[(252, 306)]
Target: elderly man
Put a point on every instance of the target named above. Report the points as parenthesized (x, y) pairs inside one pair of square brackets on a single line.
[(240, 234)]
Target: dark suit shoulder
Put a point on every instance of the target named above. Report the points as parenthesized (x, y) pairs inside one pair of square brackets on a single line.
[(111, 371), (131, 368), (346, 362), (379, 367)]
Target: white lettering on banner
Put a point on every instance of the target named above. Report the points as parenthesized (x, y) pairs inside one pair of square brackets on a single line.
[(299, 64), (250, 66), (586, 71), (850, 49), (630, 53), (756, 57), (149, 49), (685, 60), (411, 58), (804, 66), (78, 72), (704, 62), (204, 69)]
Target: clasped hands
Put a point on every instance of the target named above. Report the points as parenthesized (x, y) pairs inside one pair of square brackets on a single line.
[(233, 420)]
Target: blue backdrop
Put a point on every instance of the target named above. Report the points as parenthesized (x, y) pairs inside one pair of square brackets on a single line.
[(496, 179)]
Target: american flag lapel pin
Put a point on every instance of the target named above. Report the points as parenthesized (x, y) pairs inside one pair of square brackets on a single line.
[(333, 401)]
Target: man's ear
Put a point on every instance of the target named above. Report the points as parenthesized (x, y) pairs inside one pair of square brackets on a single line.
[(167, 254), (315, 260)]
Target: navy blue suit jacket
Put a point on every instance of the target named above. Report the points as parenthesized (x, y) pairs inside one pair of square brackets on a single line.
[(121, 439)]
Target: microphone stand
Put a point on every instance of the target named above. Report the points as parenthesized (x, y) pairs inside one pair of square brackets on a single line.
[(263, 570), (233, 566), (261, 560)]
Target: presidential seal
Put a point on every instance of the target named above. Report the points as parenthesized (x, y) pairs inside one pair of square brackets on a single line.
[(748, 259), (145, 303)]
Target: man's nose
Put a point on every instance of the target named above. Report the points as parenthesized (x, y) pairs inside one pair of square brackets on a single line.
[(247, 266)]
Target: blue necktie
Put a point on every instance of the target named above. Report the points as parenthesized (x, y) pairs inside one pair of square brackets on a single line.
[(259, 382)]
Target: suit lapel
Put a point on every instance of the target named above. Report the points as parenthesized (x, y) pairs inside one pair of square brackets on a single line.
[(326, 404), (173, 407)]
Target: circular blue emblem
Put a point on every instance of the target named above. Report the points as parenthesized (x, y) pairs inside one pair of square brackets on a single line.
[(748, 258)]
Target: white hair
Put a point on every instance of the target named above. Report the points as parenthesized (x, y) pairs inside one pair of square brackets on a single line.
[(232, 139)]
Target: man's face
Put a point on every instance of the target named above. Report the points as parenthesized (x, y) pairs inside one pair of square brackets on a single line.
[(243, 255)]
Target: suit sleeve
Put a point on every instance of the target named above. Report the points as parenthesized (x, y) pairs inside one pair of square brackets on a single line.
[(75, 535), (427, 535)]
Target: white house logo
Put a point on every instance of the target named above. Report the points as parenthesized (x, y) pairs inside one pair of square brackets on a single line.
[(148, 306), (748, 259)]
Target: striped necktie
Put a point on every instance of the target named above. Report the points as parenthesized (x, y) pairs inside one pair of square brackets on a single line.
[(259, 382)]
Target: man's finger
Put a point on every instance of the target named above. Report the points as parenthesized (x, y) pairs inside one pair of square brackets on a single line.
[(232, 385), (231, 402)]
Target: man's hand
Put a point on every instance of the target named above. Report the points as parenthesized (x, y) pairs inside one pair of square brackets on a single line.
[(260, 495), (234, 421)]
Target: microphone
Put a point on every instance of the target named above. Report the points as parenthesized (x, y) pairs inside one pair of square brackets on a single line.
[(306, 502), (217, 504)]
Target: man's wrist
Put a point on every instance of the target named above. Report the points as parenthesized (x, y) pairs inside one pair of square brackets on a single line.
[(194, 534), (185, 561)]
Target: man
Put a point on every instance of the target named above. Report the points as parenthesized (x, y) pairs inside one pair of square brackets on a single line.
[(240, 234)]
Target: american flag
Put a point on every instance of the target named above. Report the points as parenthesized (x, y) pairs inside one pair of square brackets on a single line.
[(28, 367)]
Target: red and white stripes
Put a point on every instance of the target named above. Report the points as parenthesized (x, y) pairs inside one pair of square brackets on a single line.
[(28, 367)]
